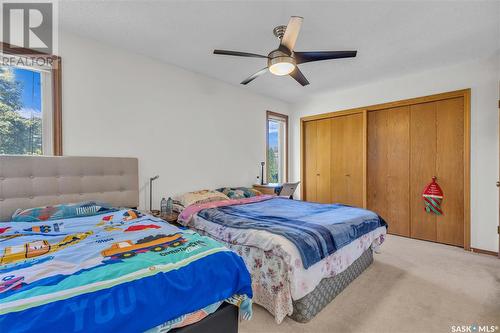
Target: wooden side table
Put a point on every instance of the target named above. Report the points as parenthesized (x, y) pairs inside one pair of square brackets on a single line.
[(172, 217), (169, 218), (271, 188)]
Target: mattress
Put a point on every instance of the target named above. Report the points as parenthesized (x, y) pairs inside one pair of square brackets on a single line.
[(279, 279), (316, 230)]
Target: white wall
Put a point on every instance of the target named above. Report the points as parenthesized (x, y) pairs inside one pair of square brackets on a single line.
[(194, 131), (483, 78)]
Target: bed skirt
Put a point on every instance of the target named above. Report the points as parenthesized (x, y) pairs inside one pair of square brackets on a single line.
[(307, 307)]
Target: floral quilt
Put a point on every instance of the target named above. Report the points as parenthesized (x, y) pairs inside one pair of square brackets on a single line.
[(278, 275)]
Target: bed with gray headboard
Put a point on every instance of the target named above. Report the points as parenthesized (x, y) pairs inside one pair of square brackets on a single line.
[(33, 181), (36, 181)]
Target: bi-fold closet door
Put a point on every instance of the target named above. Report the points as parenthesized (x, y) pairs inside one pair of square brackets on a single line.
[(407, 146), (333, 159), (382, 157), (388, 163)]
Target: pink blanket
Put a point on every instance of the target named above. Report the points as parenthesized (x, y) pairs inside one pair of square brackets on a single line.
[(189, 211)]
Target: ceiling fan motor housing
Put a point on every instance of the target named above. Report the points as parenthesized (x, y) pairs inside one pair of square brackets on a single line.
[(279, 58)]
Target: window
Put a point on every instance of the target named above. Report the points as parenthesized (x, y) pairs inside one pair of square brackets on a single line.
[(20, 111), (30, 108), (277, 147)]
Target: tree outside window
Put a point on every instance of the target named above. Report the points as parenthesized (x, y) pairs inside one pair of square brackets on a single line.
[(20, 112), (277, 147)]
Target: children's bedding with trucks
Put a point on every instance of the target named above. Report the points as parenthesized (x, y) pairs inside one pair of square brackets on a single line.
[(120, 271)]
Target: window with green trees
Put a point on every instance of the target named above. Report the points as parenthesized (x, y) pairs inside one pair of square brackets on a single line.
[(277, 147), (20, 111)]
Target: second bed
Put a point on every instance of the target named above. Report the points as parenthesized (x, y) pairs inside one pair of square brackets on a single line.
[(300, 254)]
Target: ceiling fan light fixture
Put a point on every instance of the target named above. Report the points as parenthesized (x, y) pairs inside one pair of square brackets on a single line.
[(284, 60), (281, 65)]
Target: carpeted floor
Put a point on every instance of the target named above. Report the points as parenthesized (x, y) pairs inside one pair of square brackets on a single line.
[(413, 286)]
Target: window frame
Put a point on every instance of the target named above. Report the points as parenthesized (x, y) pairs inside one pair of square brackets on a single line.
[(56, 71), (284, 117)]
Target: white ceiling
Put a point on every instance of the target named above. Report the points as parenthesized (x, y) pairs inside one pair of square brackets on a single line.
[(392, 38)]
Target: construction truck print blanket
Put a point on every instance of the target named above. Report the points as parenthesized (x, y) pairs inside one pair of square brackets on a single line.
[(89, 274)]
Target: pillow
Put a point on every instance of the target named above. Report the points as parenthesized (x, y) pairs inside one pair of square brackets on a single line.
[(239, 192), (198, 197), (177, 207), (63, 211)]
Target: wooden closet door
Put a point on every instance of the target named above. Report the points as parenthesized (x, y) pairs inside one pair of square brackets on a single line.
[(353, 161), (317, 164), (310, 151), (423, 167), (323, 161), (338, 182), (450, 170), (347, 159), (389, 167), (437, 143)]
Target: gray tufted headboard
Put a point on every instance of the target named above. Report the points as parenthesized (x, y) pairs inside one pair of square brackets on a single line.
[(34, 181)]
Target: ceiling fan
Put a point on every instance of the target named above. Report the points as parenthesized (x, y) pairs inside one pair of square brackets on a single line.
[(284, 60)]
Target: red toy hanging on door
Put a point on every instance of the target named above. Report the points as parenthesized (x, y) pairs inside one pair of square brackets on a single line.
[(433, 197)]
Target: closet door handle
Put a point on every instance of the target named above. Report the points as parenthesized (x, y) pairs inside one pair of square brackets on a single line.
[(317, 174), (347, 175)]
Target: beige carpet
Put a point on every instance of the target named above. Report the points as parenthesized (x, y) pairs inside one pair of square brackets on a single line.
[(413, 286)]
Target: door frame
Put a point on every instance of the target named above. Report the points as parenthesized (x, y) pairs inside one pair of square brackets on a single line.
[(464, 93)]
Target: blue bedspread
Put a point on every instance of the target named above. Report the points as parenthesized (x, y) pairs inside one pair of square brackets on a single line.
[(317, 230), (117, 272)]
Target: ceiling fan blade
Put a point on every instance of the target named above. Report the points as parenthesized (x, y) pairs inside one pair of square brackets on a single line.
[(292, 32), (302, 57), (299, 77), (254, 76), (239, 54)]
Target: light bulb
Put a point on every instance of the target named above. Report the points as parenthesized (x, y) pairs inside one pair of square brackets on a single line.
[(281, 68)]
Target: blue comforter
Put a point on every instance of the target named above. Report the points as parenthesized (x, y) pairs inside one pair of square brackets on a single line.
[(117, 272), (317, 230)]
